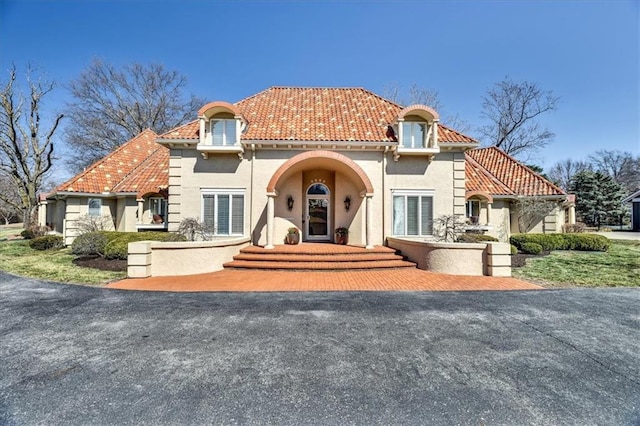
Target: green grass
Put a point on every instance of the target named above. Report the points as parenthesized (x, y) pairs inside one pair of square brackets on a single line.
[(620, 266), (10, 230), (16, 257)]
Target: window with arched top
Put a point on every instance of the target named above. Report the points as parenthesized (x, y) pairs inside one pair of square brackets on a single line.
[(318, 189)]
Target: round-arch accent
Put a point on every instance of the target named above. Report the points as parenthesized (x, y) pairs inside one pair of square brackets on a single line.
[(271, 187), (419, 110), (218, 106), (479, 194)]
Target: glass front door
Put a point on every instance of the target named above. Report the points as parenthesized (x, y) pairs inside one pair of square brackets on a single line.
[(317, 217)]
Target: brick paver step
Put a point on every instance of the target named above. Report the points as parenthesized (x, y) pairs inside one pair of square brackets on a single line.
[(342, 257), (317, 266), (313, 248)]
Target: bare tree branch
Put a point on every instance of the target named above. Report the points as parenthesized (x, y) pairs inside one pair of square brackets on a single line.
[(512, 109), (424, 96), (25, 156), (113, 105)]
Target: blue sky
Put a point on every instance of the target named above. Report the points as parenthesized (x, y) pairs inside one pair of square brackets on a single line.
[(586, 52)]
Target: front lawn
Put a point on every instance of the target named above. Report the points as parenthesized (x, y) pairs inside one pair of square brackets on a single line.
[(16, 257), (620, 266)]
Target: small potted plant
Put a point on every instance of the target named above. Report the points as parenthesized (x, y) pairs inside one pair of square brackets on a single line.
[(342, 235), (293, 235)]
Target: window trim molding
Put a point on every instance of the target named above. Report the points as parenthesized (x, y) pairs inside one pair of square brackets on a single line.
[(99, 200), (412, 193), (224, 191)]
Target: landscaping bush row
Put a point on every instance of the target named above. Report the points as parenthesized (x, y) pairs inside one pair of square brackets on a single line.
[(47, 242), (114, 245), (548, 242), (475, 238)]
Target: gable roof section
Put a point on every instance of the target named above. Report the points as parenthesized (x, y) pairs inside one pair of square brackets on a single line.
[(124, 170), (494, 171), (316, 114)]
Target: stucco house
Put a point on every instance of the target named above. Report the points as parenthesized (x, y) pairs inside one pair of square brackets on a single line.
[(313, 158), (634, 199), (127, 187)]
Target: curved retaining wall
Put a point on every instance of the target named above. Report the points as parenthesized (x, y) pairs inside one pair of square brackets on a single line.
[(157, 259), (456, 258)]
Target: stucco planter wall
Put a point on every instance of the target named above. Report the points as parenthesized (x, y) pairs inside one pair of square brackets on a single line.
[(157, 259), (456, 258)]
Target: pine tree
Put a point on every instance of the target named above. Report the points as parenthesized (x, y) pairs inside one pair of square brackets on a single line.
[(598, 198)]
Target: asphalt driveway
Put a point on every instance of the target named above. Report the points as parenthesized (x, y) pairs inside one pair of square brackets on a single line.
[(79, 355)]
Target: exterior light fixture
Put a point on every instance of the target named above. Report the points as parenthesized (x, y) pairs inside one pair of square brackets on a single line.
[(290, 202), (347, 203)]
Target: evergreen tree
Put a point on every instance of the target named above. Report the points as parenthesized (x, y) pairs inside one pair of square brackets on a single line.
[(598, 198)]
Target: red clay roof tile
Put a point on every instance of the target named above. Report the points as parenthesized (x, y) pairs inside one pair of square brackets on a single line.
[(507, 171), (316, 114), (136, 165)]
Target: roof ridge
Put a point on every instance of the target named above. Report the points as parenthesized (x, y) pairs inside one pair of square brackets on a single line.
[(487, 172), (450, 129), (102, 160), (173, 129), (547, 181), (321, 88)]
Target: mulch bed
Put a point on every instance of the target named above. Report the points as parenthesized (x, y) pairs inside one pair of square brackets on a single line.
[(97, 262)]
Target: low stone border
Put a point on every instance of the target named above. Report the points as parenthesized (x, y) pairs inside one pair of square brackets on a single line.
[(491, 258), (158, 259)]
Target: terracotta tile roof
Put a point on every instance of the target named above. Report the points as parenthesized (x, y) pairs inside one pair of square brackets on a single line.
[(316, 114), (152, 176), (478, 179), (507, 173), (125, 169), (190, 130)]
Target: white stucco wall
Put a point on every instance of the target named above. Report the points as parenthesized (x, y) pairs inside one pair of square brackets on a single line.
[(190, 173)]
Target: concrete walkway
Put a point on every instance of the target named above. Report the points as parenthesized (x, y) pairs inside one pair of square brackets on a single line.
[(406, 279), (620, 235)]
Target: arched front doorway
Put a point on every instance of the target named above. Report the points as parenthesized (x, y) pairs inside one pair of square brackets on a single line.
[(322, 181), (318, 217)]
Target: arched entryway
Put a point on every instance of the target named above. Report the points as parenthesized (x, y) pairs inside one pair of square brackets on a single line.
[(318, 212), (318, 183)]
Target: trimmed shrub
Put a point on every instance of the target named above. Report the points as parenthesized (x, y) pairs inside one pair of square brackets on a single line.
[(27, 234), (531, 248), (587, 242), (475, 238), (47, 242), (89, 244), (549, 242), (118, 248), (577, 227), (514, 250)]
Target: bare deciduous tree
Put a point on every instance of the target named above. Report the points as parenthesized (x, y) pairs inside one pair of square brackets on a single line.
[(562, 172), (531, 210), (448, 227), (113, 105), (512, 109), (10, 200), (424, 96), (623, 167), (26, 150)]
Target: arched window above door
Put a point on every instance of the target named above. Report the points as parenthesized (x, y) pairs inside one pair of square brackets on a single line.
[(318, 189)]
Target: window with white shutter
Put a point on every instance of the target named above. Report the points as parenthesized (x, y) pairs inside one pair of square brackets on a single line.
[(412, 213), (223, 211)]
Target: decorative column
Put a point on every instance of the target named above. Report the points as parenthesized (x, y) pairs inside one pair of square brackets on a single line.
[(435, 134), (140, 211), (489, 213), (572, 214), (368, 214), (270, 219)]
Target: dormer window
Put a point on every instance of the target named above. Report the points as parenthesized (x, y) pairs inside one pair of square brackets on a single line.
[(223, 132), (413, 134)]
